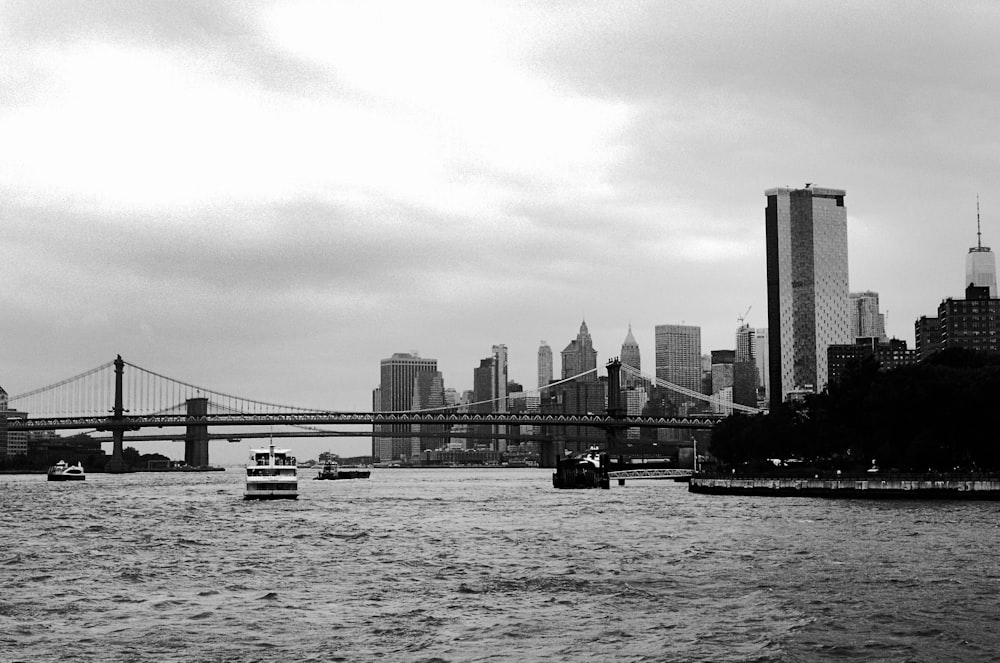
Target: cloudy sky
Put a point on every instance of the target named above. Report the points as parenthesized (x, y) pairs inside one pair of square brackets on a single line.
[(267, 198)]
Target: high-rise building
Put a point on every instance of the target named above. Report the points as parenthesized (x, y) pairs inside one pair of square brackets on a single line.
[(11, 443), (579, 356), (866, 319), (807, 286), (723, 364), (927, 336), (888, 354), (746, 343), (399, 374), (3, 422), (980, 263), (544, 364), (678, 360), (762, 361), (489, 383), (746, 377), (428, 394), (630, 351), (630, 357), (972, 323)]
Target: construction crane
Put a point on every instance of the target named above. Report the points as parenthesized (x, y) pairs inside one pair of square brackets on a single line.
[(741, 318)]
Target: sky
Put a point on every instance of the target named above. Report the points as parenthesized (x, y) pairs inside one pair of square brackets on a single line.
[(268, 198)]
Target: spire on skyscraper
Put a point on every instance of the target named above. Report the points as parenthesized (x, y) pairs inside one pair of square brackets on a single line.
[(629, 338), (980, 263), (630, 351), (979, 227)]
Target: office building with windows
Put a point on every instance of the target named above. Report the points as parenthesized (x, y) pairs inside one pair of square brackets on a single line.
[(545, 368), (399, 374), (866, 319), (807, 285), (678, 361)]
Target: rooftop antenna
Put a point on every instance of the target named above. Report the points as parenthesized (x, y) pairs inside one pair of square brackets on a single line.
[(979, 228)]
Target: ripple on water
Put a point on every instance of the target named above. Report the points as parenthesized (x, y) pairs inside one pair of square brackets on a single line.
[(491, 565)]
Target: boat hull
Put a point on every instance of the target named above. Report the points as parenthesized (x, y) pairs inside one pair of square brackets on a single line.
[(271, 490), (271, 495), (585, 472), (344, 474), (67, 477)]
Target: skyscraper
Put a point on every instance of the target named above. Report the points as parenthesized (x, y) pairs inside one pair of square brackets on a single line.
[(399, 374), (428, 394), (678, 358), (807, 287), (762, 360), (746, 380), (579, 356), (980, 263), (544, 364), (489, 382), (630, 351), (866, 319), (746, 343), (490, 389)]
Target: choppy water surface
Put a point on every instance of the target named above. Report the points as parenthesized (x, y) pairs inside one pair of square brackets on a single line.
[(491, 565)]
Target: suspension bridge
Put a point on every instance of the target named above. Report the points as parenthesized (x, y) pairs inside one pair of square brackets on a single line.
[(154, 400)]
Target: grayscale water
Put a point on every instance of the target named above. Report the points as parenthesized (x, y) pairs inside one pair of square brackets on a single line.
[(485, 565)]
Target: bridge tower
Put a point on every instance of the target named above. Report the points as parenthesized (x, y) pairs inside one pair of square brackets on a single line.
[(116, 464), (196, 436), (615, 433)]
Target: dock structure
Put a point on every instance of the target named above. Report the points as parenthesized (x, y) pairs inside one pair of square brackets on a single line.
[(960, 487), (675, 474)]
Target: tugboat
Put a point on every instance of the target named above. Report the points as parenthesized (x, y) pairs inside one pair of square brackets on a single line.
[(332, 470), (271, 475), (63, 472), (587, 471)]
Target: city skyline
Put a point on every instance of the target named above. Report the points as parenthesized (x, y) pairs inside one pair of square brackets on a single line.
[(268, 199)]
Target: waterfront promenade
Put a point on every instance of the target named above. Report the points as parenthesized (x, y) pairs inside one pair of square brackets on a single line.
[(865, 486)]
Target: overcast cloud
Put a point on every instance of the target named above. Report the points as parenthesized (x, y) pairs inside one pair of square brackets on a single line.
[(268, 198)]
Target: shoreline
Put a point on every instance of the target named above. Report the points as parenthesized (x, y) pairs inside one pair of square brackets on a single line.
[(944, 487)]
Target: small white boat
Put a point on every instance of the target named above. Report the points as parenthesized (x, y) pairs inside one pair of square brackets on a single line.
[(271, 475), (63, 472)]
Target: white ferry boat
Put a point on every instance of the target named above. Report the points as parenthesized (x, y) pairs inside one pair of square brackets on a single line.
[(63, 472), (271, 475)]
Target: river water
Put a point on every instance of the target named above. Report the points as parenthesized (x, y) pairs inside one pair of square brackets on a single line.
[(485, 565)]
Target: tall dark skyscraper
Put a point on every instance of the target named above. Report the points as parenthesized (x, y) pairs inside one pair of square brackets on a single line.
[(490, 390), (807, 287)]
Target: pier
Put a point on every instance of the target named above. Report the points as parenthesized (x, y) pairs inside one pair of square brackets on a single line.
[(962, 487)]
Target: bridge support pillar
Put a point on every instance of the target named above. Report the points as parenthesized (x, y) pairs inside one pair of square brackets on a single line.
[(196, 437), (116, 464), (614, 433)]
